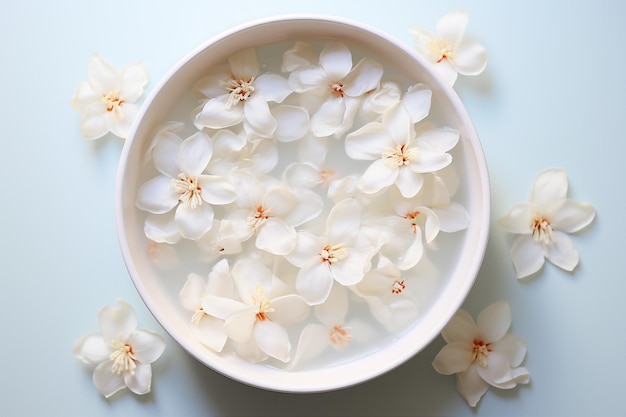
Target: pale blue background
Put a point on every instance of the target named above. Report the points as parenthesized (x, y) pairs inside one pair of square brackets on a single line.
[(553, 94)]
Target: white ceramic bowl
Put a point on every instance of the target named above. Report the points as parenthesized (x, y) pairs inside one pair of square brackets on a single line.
[(469, 161)]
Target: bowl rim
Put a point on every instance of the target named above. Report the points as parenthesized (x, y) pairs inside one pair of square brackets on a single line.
[(345, 375)]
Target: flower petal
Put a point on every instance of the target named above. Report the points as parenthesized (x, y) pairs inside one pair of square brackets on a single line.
[(239, 325), (272, 339), (562, 252), (299, 56), (497, 370), (308, 79), (216, 190), (210, 332), (103, 77), (93, 125), (350, 270), (244, 64), (368, 142), (92, 349), (313, 340), (289, 309), (134, 79), (453, 358), (364, 77), (292, 123), (512, 347), (107, 381), (194, 222), (141, 381), (336, 60), (441, 140), (147, 345), (157, 195), (334, 310), (165, 153), (215, 114), (221, 307), (119, 122), (379, 175), (343, 220), (409, 183), (192, 292), (550, 187), (272, 87), (451, 27), (528, 256), (428, 161), (117, 323), (83, 97), (417, 102), (314, 281), (470, 57), (519, 219), (258, 116), (195, 153), (571, 216), (276, 237), (460, 328), (307, 246), (329, 118), (494, 321), (162, 228), (471, 385)]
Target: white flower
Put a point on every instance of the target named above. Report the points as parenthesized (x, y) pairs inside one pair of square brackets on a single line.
[(388, 295), (208, 329), (106, 102), (182, 185), (543, 224), (341, 254), (270, 213), (332, 330), (482, 353), (123, 354), (237, 93), (334, 85), (400, 157), (259, 318), (449, 50)]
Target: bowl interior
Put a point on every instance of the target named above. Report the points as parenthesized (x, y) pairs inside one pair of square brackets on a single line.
[(473, 195)]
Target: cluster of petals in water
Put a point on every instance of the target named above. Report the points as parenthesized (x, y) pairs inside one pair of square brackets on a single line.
[(291, 248)]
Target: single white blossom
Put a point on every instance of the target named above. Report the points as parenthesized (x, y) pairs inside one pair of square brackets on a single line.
[(482, 353), (107, 101), (236, 93), (332, 330), (544, 222), (270, 213), (332, 89), (342, 254), (183, 186), (449, 50), (122, 353), (258, 321), (208, 329), (400, 156)]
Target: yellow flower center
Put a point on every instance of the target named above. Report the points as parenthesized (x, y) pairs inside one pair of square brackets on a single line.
[(542, 231), (400, 156), (259, 217), (113, 101), (480, 351), (262, 303), (441, 49), (337, 88), (189, 190), (332, 254), (398, 286), (123, 358), (339, 337), (240, 90)]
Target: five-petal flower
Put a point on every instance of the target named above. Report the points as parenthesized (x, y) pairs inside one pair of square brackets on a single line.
[(123, 354), (106, 102), (450, 51), (543, 224), (482, 353)]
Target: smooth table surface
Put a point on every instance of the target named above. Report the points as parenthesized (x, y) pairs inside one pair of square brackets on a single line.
[(553, 94)]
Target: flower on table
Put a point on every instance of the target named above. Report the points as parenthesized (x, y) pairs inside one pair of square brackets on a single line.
[(449, 50), (107, 101), (122, 353), (482, 353), (334, 85), (543, 224), (182, 185), (236, 93)]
